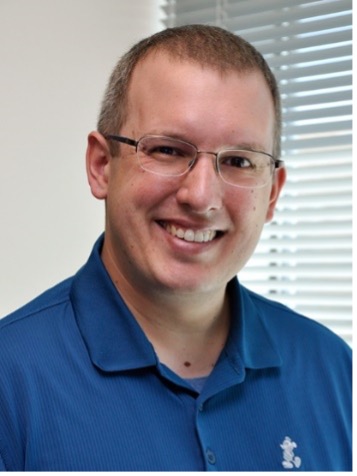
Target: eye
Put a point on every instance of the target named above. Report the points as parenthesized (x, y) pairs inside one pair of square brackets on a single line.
[(237, 161), (165, 150)]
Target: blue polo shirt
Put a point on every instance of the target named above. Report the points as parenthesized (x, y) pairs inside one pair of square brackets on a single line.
[(81, 389)]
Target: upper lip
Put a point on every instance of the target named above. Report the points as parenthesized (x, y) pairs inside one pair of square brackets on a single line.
[(188, 225)]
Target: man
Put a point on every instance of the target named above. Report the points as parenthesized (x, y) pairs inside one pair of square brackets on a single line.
[(153, 357)]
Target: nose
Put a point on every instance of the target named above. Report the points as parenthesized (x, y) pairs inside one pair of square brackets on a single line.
[(201, 189)]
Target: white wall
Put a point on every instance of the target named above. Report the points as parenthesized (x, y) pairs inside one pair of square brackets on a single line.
[(55, 60)]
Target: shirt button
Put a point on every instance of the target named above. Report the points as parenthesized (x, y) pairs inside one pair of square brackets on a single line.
[(211, 457), (200, 407)]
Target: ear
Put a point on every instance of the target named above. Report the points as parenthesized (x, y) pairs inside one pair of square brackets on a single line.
[(278, 184), (97, 163)]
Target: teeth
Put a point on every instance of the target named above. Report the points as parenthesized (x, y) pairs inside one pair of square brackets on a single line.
[(191, 235)]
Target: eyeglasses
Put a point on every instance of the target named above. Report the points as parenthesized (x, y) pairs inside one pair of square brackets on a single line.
[(173, 157)]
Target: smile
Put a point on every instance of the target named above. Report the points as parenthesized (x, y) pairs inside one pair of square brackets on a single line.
[(197, 236)]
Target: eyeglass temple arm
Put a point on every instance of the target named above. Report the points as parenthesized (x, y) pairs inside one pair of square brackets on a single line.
[(278, 163), (122, 139)]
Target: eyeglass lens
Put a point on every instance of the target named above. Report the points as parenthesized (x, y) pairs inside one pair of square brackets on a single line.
[(172, 157)]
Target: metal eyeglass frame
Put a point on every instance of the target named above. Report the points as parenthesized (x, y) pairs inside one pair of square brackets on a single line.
[(134, 143)]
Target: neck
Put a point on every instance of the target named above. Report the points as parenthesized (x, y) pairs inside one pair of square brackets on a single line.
[(187, 330), (188, 337), (190, 346)]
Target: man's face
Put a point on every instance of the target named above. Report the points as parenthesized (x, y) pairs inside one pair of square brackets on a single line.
[(213, 111)]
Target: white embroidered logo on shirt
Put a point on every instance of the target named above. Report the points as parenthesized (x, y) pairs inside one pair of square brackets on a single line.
[(290, 460)]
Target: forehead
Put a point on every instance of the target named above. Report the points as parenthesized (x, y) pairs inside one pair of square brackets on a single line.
[(162, 64), (160, 68), (169, 92)]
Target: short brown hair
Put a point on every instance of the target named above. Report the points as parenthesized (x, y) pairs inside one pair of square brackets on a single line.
[(207, 45)]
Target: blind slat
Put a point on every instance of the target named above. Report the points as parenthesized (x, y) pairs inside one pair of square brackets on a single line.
[(310, 84), (243, 6), (318, 97), (333, 111), (303, 242), (289, 11), (315, 142), (291, 129), (316, 71), (325, 40), (299, 58), (279, 27), (339, 263)]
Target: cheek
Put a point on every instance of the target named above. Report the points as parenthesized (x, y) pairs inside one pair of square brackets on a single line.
[(250, 214), (147, 189), (252, 205), (259, 204), (137, 194)]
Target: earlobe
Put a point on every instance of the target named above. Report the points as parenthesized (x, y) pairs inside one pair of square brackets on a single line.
[(97, 164), (278, 184)]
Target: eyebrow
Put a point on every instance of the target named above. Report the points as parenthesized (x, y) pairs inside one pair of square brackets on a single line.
[(249, 146), (240, 146)]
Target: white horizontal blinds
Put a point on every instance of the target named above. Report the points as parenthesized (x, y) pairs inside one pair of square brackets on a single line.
[(304, 258)]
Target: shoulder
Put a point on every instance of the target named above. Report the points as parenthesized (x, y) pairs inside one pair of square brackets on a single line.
[(35, 315), (296, 330)]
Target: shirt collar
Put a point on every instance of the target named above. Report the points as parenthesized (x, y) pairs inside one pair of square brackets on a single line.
[(113, 338), (116, 342), (249, 334)]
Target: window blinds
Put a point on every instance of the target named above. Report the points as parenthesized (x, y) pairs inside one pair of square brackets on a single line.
[(304, 258)]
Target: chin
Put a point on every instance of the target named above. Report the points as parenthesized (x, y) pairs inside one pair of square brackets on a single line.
[(190, 286)]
